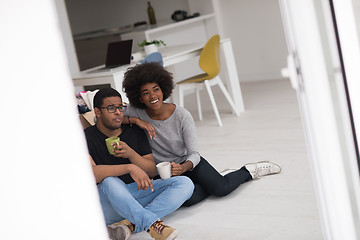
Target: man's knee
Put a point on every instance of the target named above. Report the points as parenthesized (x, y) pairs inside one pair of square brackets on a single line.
[(112, 182), (186, 184), (109, 180)]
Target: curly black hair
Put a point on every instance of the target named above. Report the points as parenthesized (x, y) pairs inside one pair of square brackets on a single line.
[(141, 74)]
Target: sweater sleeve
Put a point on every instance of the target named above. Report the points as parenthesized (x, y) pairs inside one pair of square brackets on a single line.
[(131, 111), (189, 136)]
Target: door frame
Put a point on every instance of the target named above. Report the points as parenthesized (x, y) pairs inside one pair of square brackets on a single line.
[(316, 72)]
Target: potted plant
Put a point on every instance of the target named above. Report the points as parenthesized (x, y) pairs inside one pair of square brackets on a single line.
[(151, 46)]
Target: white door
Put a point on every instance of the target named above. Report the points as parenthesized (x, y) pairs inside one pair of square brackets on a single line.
[(323, 65)]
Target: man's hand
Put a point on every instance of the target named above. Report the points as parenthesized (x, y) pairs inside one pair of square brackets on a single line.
[(147, 127), (140, 177), (122, 150)]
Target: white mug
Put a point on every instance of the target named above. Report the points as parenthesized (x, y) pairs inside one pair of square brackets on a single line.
[(164, 170)]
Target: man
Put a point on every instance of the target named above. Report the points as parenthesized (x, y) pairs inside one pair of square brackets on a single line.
[(131, 202)]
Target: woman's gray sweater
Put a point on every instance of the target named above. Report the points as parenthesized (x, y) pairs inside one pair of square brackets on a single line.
[(175, 137)]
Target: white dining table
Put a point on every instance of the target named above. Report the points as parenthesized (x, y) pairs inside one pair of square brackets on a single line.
[(172, 55)]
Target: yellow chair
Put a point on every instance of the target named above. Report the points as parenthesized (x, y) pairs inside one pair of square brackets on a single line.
[(209, 62)]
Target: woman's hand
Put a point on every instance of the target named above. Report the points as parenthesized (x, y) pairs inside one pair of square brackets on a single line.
[(176, 169), (147, 127)]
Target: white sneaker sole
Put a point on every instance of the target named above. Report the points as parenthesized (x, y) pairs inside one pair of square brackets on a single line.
[(173, 235), (119, 232)]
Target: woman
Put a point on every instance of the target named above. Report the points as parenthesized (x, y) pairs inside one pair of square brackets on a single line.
[(172, 135)]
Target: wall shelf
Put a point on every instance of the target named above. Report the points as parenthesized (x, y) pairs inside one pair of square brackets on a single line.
[(179, 24)]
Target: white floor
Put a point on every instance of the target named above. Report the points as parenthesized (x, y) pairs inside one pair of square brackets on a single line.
[(275, 207)]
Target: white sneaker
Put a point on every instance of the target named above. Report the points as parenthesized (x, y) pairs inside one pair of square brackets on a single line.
[(260, 169)]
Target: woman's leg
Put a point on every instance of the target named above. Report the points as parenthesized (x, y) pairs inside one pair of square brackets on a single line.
[(213, 182), (199, 194)]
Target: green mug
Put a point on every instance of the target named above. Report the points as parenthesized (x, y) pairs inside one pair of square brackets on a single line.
[(110, 141)]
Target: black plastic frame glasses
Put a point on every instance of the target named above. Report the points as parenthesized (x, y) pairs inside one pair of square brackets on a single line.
[(112, 108)]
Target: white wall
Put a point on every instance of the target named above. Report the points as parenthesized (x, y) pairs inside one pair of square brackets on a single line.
[(258, 40)]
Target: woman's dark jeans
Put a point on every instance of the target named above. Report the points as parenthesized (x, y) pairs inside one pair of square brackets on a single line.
[(208, 181)]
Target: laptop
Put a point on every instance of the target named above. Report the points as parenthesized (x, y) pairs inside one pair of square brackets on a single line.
[(118, 54)]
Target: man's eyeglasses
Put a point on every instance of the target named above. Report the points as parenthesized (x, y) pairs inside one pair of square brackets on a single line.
[(112, 108)]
